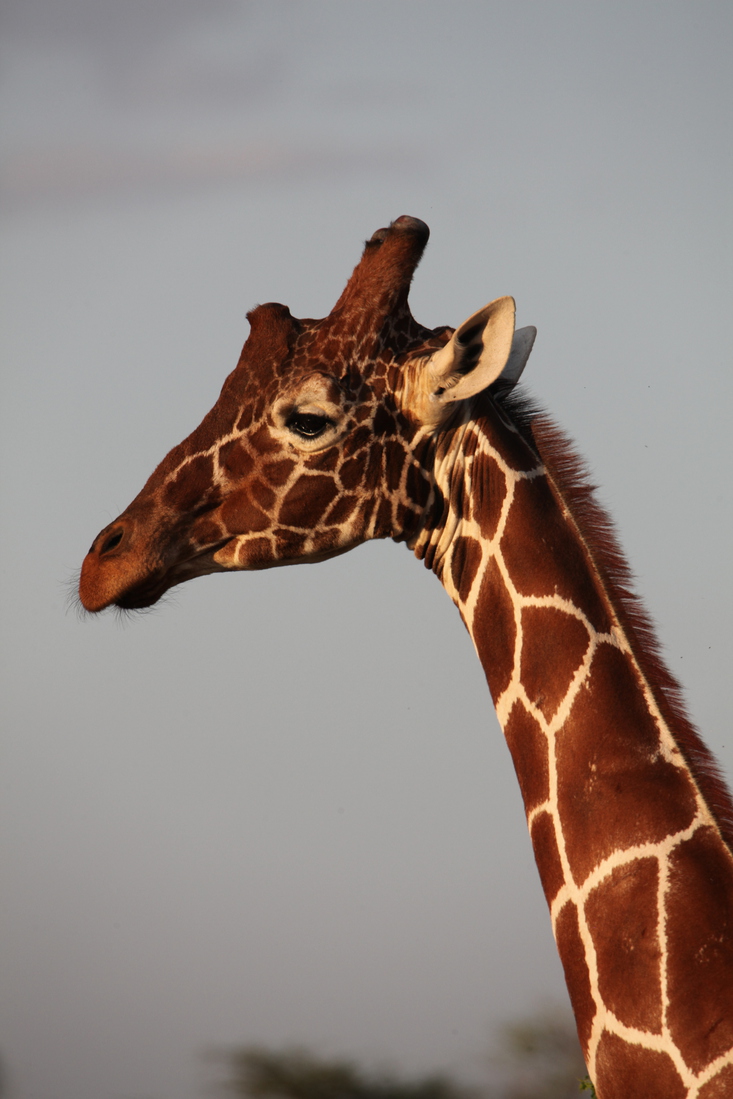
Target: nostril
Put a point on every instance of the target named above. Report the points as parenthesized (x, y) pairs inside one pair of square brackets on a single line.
[(111, 542)]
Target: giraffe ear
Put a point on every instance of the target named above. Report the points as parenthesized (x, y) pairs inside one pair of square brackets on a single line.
[(474, 357), (521, 346)]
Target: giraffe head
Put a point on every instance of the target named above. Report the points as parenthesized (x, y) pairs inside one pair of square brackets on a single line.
[(320, 439)]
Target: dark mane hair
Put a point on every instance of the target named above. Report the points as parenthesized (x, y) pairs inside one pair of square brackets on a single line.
[(568, 476)]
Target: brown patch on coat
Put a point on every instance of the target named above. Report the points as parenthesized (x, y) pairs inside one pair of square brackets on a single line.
[(383, 521), (341, 510), (622, 914), (262, 494), (465, 561), (615, 790), (245, 417), (418, 487), (547, 855), (494, 630), (366, 508), (384, 422), (373, 467), (572, 955), (543, 555), (262, 442), (553, 646), (720, 1087), (700, 936), (290, 544), (406, 523), (624, 1070), (206, 532), (235, 461), (326, 540), (257, 553), (190, 484), (530, 755), (395, 457), (325, 460), (277, 472), (488, 485), (307, 500), (240, 514), (460, 500), (358, 440), (351, 472), (512, 447)]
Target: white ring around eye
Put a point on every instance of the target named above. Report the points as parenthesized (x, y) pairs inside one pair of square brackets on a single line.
[(314, 398)]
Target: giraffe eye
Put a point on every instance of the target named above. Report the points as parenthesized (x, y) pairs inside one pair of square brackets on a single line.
[(308, 425)]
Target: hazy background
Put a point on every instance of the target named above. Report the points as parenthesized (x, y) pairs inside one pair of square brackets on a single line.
[(280, 808)]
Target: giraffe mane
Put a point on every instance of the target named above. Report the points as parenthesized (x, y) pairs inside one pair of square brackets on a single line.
[(569, 479)]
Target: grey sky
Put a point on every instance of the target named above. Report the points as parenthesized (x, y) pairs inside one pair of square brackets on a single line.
[(279, 808)]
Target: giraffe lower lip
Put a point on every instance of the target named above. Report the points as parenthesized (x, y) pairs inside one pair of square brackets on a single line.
[(147, 593), (140, 598)]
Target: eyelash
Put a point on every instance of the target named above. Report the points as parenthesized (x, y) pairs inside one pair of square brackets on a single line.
[(308, 425)]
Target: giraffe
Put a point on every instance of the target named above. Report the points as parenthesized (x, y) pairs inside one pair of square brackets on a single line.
[(366, 424)]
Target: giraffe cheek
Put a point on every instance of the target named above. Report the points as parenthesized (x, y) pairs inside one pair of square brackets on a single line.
[(307, 501), (206, 533), (240, 515)]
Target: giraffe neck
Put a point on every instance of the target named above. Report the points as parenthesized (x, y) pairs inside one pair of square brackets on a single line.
[(626, 815)]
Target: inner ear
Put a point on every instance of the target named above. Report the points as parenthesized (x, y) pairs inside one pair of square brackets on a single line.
[(475, 355)]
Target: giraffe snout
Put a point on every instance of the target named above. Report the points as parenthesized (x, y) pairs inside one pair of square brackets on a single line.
[(110, 567)]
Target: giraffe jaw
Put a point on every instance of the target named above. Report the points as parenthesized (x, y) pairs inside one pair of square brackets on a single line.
[(230, 558), (130, 584)]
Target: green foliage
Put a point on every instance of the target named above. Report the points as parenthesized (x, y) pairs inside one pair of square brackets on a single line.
[(586, 1085), (296, 1074)]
